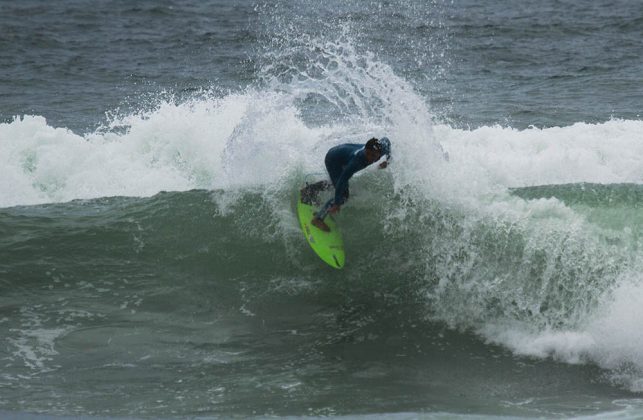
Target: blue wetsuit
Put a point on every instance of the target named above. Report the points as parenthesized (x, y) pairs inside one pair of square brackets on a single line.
[(342, 162)]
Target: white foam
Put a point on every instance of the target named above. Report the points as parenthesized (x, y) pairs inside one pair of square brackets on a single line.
[(612, 337), (34, 344), (522, 339), (618, 332), (239, 140), (36, 347), (608, 152)]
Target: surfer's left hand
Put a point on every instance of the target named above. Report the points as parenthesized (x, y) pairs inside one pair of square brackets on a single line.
[(384, 164)]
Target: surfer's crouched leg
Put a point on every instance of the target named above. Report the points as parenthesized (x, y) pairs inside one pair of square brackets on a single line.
[(318, 220), (310, 192)]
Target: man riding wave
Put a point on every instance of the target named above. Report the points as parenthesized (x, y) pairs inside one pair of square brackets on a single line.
[(342, 162)]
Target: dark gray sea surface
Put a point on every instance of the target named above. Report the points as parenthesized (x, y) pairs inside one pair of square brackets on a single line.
[(152, 265), (73, 61), (515, 63)]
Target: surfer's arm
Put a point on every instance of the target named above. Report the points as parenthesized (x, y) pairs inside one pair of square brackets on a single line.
[(384, 164), (342, 183)]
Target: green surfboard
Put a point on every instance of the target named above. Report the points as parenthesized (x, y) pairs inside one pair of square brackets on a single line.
[(329, 246)]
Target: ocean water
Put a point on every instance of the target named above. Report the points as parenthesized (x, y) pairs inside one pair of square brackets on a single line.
[(151, 263)]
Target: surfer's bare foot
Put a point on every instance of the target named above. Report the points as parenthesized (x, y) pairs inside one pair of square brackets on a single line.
[(320, 224)]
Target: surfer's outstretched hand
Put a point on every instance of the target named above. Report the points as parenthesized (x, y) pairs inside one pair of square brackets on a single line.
[(384, 164)]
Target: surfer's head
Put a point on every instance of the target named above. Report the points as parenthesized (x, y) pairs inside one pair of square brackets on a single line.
[(375, 148), (372, 150)]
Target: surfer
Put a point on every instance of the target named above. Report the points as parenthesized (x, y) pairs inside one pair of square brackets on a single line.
[(342, 162)]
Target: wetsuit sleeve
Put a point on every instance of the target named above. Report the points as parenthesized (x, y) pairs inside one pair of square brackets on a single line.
[(342, 183)]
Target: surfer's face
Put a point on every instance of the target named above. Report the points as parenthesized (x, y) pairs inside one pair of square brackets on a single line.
[(372, 155)]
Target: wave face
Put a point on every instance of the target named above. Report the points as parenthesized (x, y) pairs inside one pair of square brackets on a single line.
[(174, 225)]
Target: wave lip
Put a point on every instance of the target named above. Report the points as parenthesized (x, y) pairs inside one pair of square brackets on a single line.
[(171, 148), (258, 137)]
